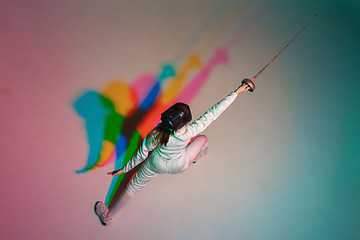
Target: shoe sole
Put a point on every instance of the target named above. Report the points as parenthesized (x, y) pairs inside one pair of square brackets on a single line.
[(102, 223)]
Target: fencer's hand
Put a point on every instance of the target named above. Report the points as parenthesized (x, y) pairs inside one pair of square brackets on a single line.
[(243, 88), (116, 172)]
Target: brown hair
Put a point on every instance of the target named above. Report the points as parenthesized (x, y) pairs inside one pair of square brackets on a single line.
[(162, 134)]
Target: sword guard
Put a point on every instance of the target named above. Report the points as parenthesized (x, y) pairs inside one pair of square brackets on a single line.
[(249, 83)]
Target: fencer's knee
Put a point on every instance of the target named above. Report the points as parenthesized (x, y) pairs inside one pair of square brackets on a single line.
[(203, 139)]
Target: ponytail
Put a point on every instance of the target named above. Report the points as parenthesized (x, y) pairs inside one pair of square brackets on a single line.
[(162, 134)]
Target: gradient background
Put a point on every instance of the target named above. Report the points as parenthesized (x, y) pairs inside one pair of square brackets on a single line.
[(283, 162)]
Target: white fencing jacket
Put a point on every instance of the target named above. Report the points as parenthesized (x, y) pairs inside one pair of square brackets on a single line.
[(172, 158)]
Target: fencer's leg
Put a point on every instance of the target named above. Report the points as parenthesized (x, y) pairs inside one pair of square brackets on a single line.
[(141, 178), (197, 148)]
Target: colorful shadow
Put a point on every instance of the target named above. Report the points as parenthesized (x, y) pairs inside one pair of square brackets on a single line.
[(119, 117)]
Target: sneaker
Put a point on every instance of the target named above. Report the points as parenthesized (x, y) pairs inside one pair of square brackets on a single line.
[(101, 210)]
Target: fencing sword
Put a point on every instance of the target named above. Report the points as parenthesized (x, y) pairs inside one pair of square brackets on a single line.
[(250, 83)]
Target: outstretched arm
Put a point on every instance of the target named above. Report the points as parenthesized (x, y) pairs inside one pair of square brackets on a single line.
[(141, 154), (214, 112)]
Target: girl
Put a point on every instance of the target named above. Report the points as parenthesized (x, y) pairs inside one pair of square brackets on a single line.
[(172, 151)]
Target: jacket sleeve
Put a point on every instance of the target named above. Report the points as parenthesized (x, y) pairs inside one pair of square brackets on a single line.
[(211, 115), (141, 154)]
